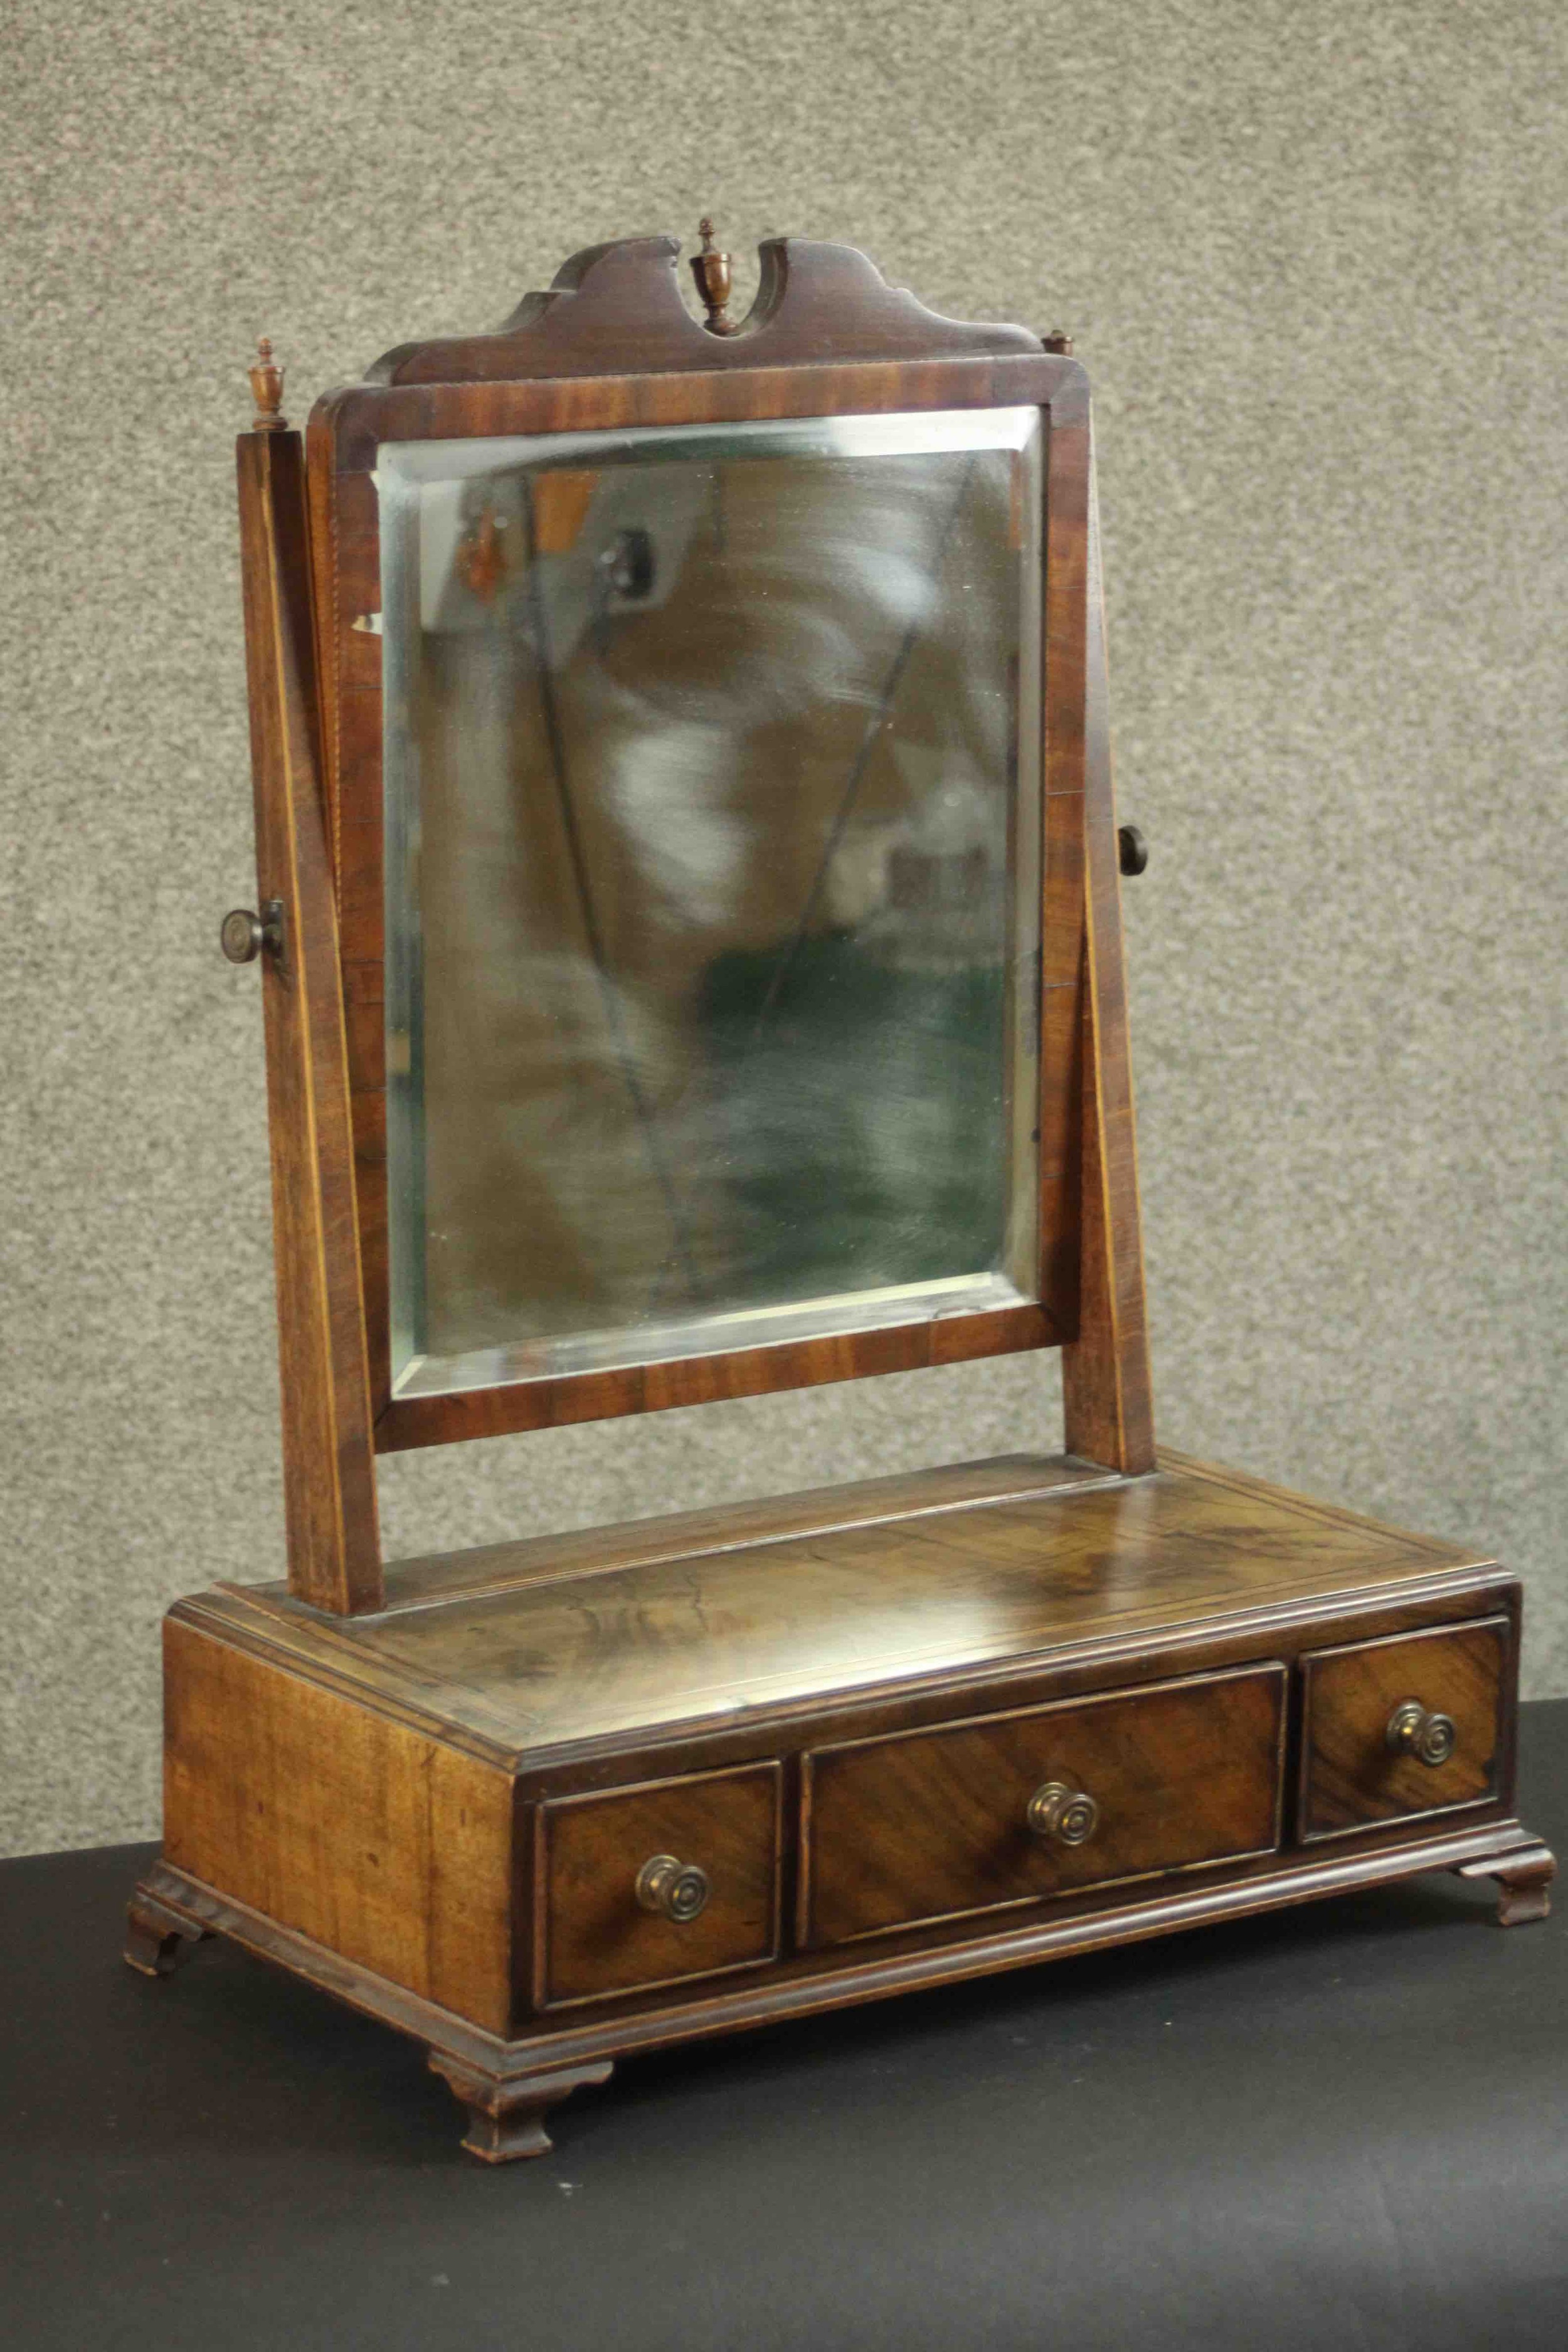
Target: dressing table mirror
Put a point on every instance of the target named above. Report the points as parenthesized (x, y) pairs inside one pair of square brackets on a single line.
[(689, 926)]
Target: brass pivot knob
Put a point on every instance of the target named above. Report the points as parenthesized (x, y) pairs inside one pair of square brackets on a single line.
[(676, 1890), (242, 935), (1069, 1815), (1132, 849), (1415, 1731)]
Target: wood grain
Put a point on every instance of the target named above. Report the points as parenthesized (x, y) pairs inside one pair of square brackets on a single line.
[(886, 1615), (563, 1401), (1064, 971), (1105, 1389), (328, 1473), (595, 1938), (727, 1527), (439, 1814), (390, 1847), (432, 1792), (781, 371), (618, 306), (813, 1982), (1349, 1777), (933, 1824)]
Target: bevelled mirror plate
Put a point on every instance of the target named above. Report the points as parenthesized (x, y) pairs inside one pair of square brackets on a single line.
[(711, 759)]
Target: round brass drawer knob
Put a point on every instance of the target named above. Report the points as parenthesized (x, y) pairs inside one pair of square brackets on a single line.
[(1415, 1731), (676, 1890), (1069, 1815)]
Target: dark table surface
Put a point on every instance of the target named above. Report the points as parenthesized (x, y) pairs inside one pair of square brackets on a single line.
[(1343, 2126)]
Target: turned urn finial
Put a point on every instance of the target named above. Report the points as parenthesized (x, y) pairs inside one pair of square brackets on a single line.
[(711, 271), (267, 391)]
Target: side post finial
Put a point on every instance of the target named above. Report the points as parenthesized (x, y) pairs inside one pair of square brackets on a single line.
[(711, 271), (267, 391)]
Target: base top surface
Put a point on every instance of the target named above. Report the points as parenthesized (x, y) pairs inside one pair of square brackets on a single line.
[(560, 1639)]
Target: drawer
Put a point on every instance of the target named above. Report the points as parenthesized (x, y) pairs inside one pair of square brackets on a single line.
[(645, 1886), (973, 1816), (1406, 1726)]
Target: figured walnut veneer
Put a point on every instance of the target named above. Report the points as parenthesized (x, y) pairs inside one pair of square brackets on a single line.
[(875, 1737), (612, 344), (1350, 1775), (934, 1824), (594, 1936), (441, 1811), (346, 1822), (560, 1655)]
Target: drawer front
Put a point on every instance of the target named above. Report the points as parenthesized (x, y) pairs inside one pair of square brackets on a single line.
[(1360, 1767), (618, 1886), (934, 1824)]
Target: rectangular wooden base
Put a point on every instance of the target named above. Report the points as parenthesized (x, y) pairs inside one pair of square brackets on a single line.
[(565, 1801)]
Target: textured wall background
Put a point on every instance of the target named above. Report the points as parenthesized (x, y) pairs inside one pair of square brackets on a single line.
[(1312, 253)]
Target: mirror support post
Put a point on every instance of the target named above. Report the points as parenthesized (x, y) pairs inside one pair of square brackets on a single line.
[(329, 1458), (1110, 1414)]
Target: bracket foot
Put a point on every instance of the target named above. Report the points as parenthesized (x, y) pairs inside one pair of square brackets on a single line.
[(1524, 1883), (157, 1938), (506, 2114)]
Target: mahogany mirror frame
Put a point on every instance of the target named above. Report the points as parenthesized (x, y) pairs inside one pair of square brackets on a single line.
[(876, 1723), (613, 345)]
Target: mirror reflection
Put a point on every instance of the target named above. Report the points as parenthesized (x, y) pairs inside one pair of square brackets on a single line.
[(712, 885)]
